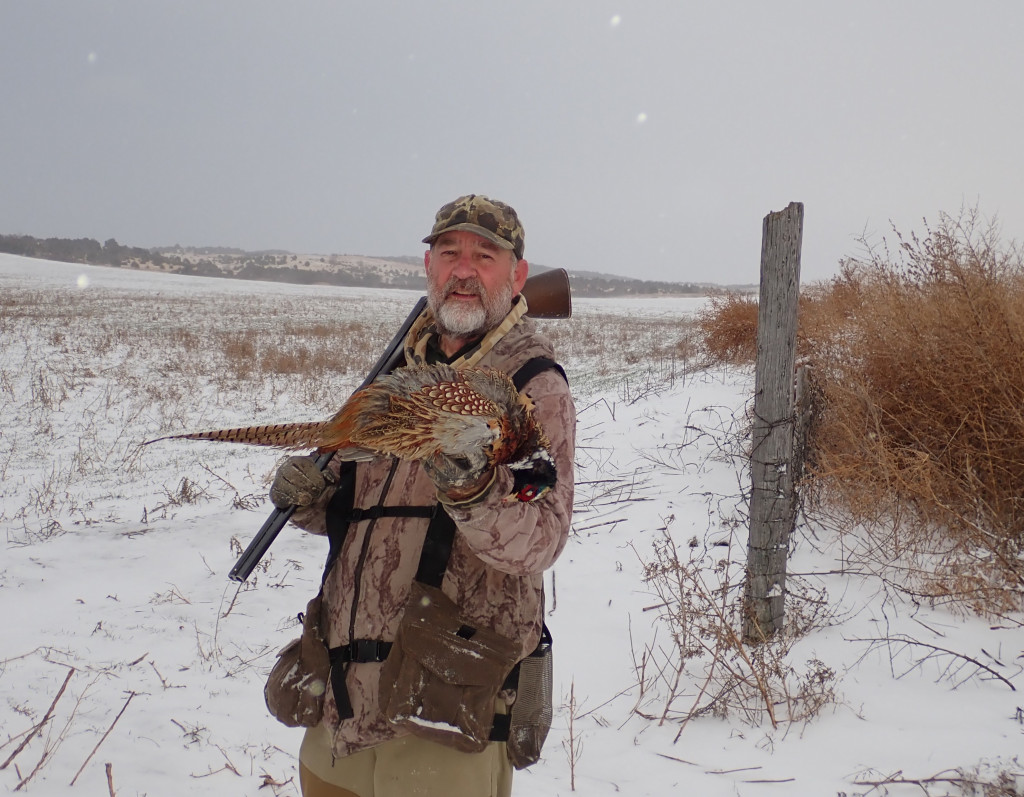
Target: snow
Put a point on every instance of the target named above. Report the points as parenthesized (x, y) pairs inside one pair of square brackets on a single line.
[(108, 569)]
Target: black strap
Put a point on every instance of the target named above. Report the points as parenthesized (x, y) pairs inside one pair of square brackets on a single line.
[(341, 510), (374, 512), (501, 728), (512, 679), (437, 549), (532, 367), (338, 509), (361, 650)]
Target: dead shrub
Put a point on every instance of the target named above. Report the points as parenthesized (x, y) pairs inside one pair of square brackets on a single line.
[(918, 384), (286, 361), (240, 353), (727, 328), (240, 347), (918, 370), (706, 669)]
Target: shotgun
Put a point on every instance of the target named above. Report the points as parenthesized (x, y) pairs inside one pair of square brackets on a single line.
[(547, 296)]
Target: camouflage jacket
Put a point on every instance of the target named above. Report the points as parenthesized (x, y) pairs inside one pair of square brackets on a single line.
[(500, 552)]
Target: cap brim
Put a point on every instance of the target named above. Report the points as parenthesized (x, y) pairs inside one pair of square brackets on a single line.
[(483, 232)]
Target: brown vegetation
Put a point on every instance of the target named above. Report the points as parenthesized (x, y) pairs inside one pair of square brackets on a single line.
[(917, 365), (727, 328)]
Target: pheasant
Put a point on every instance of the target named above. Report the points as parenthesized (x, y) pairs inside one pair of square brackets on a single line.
[(418, 413)]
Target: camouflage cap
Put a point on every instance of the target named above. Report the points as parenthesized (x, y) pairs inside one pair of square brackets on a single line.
[(495, 221)]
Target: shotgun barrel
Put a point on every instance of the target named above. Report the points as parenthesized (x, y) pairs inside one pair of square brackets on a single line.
[(547, 296)]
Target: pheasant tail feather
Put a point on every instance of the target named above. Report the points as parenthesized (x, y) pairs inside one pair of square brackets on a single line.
[(279, 435)]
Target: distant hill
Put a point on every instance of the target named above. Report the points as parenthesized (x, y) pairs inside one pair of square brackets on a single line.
[(280, 266)]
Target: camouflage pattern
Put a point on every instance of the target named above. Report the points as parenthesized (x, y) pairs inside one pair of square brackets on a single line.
[(495, 221), (500, 552)]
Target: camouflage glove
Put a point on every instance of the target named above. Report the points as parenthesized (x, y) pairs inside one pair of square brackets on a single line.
[(299, 482), (460, 479)]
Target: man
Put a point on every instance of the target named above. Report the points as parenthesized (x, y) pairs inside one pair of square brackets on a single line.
[(501, 546)]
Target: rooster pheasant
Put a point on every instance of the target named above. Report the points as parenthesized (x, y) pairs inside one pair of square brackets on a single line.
[(418, 413)]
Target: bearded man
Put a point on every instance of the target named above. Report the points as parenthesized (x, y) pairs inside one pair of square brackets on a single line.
[(387, 518)]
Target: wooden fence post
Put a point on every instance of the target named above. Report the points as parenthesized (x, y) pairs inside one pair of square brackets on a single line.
[(772, 467)]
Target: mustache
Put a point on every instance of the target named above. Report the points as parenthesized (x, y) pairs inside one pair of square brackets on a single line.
[(470, 285)]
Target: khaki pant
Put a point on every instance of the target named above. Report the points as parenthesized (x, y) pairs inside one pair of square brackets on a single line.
[(404, 767)]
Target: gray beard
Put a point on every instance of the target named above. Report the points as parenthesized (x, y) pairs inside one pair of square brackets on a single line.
[(461, 322), (456, 320)]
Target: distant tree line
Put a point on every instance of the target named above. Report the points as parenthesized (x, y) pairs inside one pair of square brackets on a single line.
[(596, 287), (79, 250), (278, 266), (338, 276)]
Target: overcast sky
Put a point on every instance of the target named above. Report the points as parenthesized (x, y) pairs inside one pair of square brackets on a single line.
[(645, 138)]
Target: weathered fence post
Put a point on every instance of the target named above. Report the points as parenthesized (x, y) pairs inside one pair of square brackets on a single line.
[(773, 493)]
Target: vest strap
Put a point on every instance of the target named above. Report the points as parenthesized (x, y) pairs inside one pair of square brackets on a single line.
[(361, 650), (437, 549), (374, 512)]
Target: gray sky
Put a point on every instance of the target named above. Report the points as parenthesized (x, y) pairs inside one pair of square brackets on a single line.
[(646, 138)]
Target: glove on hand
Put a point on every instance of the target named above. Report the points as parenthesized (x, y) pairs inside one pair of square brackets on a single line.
[(299, 482), (459, 478)]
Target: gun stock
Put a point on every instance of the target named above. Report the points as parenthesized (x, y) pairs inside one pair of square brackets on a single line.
[(547, 296)]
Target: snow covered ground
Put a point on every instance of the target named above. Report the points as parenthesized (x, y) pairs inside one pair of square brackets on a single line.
[(113, 572)]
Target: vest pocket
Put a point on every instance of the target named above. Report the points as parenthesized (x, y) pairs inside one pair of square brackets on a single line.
[(442, 676)]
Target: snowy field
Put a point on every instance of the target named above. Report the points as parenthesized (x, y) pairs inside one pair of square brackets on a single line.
[(127, 654)]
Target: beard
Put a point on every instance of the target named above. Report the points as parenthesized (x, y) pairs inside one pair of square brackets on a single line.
[(460, 319)]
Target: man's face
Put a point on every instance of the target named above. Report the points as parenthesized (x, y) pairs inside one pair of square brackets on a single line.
[(470, 283)]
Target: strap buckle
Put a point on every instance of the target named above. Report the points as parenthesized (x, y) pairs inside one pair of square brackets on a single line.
[(361, 651)]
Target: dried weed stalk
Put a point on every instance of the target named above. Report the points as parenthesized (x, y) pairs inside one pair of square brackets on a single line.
[(708, 669), (572, 744), (986, 779)]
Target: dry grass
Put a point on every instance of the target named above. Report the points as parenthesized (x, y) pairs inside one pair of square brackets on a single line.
[(727, 328), (109, 368), (917, 360), (922, 404), (635, 355)]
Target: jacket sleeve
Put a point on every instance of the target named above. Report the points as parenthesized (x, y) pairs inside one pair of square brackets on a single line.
[(518, 537)]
